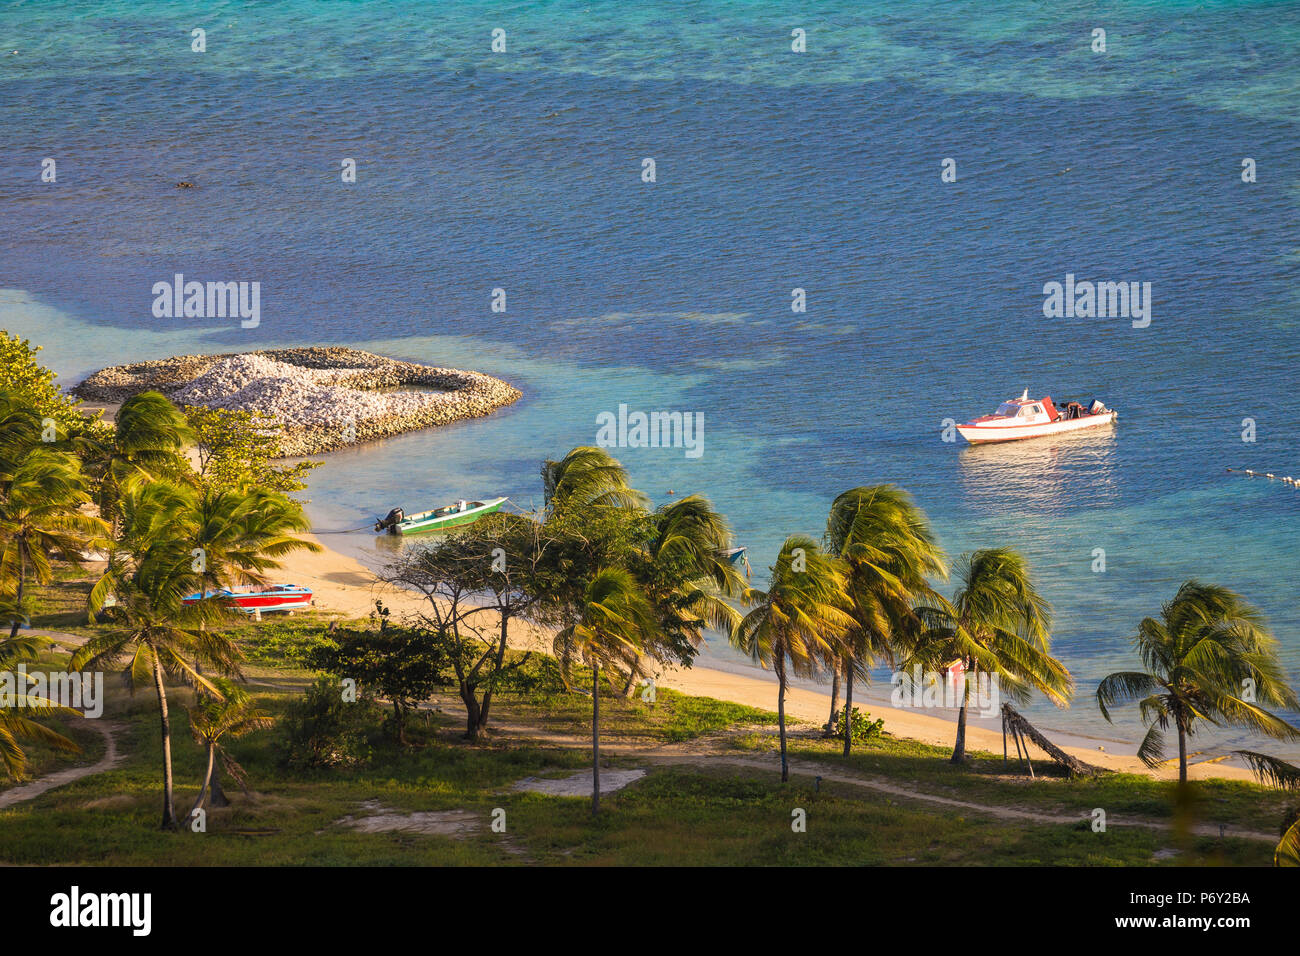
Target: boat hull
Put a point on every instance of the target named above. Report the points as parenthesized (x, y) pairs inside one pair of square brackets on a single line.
[(289, 598), (416, 525), (993, 434)]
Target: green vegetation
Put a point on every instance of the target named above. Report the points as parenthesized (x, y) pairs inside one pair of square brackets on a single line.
[(888, 552), (798, 623), (1211, 659), (235, 447), (999, 624), (703, 810), (369, 742), (32, 386)]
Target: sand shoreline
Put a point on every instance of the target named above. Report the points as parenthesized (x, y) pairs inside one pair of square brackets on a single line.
[(347, 587)]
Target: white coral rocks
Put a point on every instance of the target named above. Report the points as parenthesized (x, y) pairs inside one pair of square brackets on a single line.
[(323, 398)]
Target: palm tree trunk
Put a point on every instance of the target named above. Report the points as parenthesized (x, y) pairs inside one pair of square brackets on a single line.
[(207, 778), (217, 796), (835, 701), (848, 708), (18, 594), (780, 714), (595, 740), (169, 801), (1182, 752), (959, 750)]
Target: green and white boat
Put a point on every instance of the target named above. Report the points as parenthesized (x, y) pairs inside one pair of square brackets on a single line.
[(451, 516)]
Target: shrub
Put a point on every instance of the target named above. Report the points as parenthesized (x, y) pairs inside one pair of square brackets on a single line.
[(861, 724), (324, 730)]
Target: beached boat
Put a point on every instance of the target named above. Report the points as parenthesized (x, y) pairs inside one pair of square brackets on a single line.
[(250, 600), (460, 513), (1026, 417), (738, 557)]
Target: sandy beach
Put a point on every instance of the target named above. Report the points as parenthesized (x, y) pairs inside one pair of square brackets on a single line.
[(345, 586)]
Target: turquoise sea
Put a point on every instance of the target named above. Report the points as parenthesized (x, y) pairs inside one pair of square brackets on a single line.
[(775, 170)]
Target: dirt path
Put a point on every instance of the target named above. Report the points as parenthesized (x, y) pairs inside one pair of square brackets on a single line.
[(29, 791), (710, 751)]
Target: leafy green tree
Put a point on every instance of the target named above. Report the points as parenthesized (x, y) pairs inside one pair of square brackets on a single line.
[(999, 624), (1209, 658), (797, 624), (235, 448), (399, 664), (614, 619), (478, 581), (889, 553), (32, 385), (322, 730)]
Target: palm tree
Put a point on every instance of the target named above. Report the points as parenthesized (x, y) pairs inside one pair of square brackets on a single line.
[(1208, 657), (997, 624), (19, 431), (154, 630), (212, 721), (147, 442), (889, 551), (798, 623), (13, 726), (39, 515), (614, 618), (240, 534), (687, 578), (1287, 852), (588, 477)]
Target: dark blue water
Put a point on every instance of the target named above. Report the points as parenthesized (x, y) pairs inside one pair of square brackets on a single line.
[(775, 171)]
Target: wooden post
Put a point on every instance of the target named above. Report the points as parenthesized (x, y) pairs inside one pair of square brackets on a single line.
[(1029, 763), (1004, 737)]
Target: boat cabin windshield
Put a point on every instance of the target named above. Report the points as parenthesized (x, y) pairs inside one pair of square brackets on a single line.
[(1015, 410)]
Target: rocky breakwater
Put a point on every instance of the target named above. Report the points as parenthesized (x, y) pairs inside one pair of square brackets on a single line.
[(322, 398)]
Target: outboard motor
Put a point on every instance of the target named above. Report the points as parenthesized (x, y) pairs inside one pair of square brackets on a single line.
[(390, 521)]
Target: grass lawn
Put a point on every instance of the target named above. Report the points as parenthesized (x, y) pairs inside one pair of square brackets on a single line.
[(986, 779)]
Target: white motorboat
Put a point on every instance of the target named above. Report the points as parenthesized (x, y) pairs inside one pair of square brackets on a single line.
[(1026, 417)]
